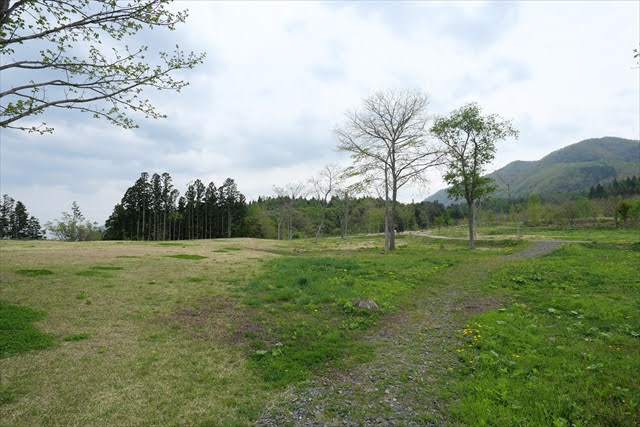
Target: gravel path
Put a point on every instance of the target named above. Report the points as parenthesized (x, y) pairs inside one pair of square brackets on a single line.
[(537, 249), (412, 365)]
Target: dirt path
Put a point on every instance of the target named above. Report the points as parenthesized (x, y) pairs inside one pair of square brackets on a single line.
[(415, 353), (537, 249)]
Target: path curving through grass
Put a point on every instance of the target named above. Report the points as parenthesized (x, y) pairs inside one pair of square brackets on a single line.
[(413, 369)]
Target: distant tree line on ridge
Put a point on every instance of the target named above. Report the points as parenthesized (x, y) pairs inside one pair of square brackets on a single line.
[(625, 187)]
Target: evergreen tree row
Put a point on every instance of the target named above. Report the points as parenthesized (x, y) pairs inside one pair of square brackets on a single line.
[(624, 187), (152, 209), (15, 222)]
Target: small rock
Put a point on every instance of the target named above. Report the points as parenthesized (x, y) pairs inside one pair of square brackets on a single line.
[(366, 304)]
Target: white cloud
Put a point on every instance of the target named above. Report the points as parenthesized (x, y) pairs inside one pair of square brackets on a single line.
[(279, 76)]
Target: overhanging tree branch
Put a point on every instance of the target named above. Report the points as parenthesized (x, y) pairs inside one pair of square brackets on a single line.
[(101, 81)]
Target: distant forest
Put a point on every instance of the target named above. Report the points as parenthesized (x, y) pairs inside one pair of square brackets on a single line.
[(15, 221), (626, 188), (153, 209)]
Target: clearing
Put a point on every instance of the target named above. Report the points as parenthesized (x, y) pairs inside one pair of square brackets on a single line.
[(245, 331)]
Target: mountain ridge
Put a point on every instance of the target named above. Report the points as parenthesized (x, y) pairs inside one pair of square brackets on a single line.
[(575, 167)]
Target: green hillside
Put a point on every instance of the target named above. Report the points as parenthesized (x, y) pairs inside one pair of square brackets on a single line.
[(572, 168)]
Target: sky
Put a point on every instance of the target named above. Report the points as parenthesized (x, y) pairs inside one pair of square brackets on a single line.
[(278, 77)]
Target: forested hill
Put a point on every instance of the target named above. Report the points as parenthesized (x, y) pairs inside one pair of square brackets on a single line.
[(575, 167)]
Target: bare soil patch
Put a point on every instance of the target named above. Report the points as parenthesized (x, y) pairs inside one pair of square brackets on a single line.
[(216, 318)]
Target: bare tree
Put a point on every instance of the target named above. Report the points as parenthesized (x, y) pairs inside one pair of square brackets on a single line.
[(388, 139), (289, 193), (324, 184)]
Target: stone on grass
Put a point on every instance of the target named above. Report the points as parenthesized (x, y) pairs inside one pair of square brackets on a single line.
[(366, 304)]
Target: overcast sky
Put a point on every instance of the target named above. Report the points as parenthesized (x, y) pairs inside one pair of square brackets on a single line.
[(279, 76)]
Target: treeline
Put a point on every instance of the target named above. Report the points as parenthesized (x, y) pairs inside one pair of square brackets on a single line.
[(152, 209), (562, 210), (625, 188), (271, 217), (268, 217), (16, 223)]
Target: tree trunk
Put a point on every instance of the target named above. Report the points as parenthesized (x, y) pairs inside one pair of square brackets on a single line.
[(392, 219), (471, 226), (386, 209), (279, 223), (346, 216), (426, 212), (324, 208)]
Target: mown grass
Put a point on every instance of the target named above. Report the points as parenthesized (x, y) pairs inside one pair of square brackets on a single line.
[(308, 304), (34, 272), (153, 347), (106, 267), (597, 234), (187, 256), (18, 333), (77, 337), (566, 351)]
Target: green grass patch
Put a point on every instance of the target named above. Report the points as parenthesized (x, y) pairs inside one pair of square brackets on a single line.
[(308, 304), (34, 272), (220, 250), (171, 244), (566, 351), (17, 331), (106, 267), (127, 256), (94, 273), (186, 256), (233, 248), (77, 337), (196, 279)]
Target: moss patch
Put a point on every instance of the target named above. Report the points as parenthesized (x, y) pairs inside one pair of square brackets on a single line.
[(17, 332), (186, 256), (35, 272)]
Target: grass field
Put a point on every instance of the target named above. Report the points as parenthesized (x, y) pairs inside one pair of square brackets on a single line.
[(233, 332)]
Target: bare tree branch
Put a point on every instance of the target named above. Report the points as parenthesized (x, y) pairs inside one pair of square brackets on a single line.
[(389, 137)]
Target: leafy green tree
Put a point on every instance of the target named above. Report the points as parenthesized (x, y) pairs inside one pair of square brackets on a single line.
[(234, 204), (439, 221), (7, 213), (105, 77), (623, 211), (73, 227), (469, 139), (21, 221), (34, 230), (15, 222), (534, 209)]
